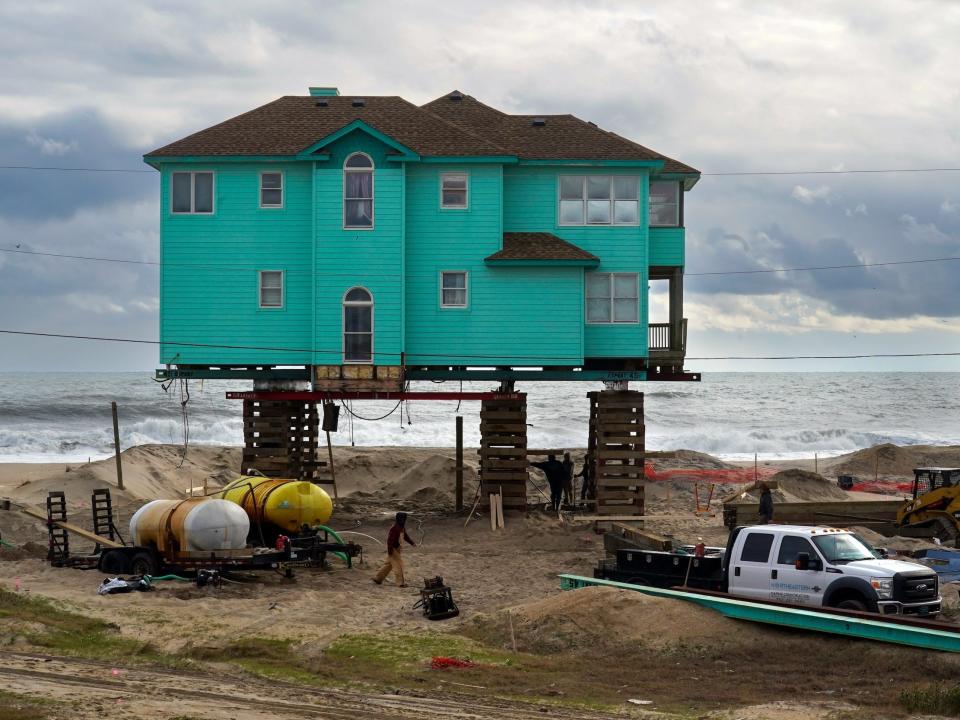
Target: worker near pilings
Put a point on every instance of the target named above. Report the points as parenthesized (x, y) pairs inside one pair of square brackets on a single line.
[(394, 561), (568, 479), (766, 505), (556, 476)]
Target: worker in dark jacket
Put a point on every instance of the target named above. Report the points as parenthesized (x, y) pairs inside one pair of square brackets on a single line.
[(766, 505), (394, 557), (587, 490), (556, 475)]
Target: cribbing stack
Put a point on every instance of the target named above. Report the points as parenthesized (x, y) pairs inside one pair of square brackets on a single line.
[(503, 449), (280, 439), (617, 450)]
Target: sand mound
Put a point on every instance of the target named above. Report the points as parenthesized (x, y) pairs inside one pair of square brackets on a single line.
[(892, 460), (431, 478), (149, 472), (799, 485), (691, 459), (26, 551), (605, 617)]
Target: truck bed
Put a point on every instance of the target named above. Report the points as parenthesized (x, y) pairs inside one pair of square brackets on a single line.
[(658, 568)]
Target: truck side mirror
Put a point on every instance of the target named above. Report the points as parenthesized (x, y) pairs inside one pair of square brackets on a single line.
[(882, 553), (802, 562)]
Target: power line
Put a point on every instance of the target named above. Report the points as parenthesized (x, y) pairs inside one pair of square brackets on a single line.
[(461, 355), (74, 169), (209, 266), (823, 267), (735, 173), (829, 172), (394, 275)]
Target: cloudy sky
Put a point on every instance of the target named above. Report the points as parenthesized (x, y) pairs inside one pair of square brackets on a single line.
[(724, 86)]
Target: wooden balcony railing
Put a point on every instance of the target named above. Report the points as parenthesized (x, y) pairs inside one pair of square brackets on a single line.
[(659, 338)]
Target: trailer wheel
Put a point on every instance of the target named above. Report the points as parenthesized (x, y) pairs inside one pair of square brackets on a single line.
[(114, 562), (143, 563)]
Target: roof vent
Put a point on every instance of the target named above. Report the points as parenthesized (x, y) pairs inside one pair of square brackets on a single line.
[(359, 102), (539, 122), (455, 96), (322, 102)]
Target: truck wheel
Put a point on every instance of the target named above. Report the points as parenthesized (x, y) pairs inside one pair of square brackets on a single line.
[(114, 562), (852, 604), (143, 564)]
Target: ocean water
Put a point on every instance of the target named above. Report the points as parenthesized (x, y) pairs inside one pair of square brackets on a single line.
[(66, 416)]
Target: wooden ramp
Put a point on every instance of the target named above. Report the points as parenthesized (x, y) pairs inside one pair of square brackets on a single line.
[(70, 527)]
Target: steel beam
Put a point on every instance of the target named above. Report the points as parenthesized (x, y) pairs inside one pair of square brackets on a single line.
[(322, 395), (920, 635)]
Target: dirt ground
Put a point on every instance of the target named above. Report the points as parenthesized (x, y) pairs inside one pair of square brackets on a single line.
[(330, 643)]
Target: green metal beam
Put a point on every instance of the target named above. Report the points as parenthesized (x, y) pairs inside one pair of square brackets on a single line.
[(227, 373), (803, 619)]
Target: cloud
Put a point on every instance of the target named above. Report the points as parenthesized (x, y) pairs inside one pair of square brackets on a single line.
[(808, 196), (860, 209), (735, 86)]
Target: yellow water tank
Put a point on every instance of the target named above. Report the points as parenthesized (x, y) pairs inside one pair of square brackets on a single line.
[(287, 504)]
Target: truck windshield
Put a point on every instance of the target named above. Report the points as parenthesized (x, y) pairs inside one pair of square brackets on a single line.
[(842, 548)]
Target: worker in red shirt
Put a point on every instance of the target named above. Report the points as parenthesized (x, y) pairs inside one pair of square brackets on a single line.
[(394, 557)]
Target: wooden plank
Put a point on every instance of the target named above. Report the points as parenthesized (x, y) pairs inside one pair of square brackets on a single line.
[(502, 415), (618, 483), (615, 510), (504, 452), (503, 476), (508, 490), (70, 527), (503, 463), (517, 440), (642, 538), (605, 454), (604, 496), (502, 427)]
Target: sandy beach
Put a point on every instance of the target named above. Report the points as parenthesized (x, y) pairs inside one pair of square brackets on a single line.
[(495, 576)]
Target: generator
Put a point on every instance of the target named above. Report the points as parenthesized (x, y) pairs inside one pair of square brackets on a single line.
[(436, 600)]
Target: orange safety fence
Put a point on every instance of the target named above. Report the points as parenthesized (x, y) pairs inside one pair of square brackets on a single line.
[(717, 476)]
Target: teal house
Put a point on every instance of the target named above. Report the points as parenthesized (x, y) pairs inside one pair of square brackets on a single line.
[(370, 240)]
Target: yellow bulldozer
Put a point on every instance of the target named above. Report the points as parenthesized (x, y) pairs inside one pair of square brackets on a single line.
[(934, 510)]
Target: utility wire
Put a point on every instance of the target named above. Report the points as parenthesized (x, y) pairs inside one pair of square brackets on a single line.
[(73, 169), (735, 173), (823, 267), (325, 274), (471, 357)]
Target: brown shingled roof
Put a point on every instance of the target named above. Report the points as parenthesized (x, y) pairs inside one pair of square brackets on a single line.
[(539, 246), (561, 137), (458, 128), (293, 123)]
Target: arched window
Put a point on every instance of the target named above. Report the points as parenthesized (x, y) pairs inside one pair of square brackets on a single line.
[(358, 191), (358, 326)]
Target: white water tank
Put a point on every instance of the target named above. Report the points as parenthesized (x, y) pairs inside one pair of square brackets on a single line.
[(195, 524)]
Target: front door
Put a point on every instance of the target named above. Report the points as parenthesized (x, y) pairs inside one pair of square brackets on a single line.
[(797, 587), (751, 570)]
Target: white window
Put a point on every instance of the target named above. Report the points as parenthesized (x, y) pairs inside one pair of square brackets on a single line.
[(599, 200), (664, 204), (613, 297), (271, 190), (358, 192), (358, 326), (271, 288), (192, 193), (453, 289), (453, 190)]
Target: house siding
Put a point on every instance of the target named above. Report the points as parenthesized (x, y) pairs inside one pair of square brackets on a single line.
[(372, 259), (667, 246), (517, 312), (530, 205), (210, 264)]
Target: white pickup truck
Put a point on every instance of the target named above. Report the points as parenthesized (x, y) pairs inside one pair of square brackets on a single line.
[(798, 565)]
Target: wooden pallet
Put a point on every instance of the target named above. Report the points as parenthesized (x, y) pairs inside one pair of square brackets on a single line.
[(503, 450), (617, 450)]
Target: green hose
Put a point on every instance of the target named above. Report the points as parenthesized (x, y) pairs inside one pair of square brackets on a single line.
[(342, 556), (11, 545), (154, 578)]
